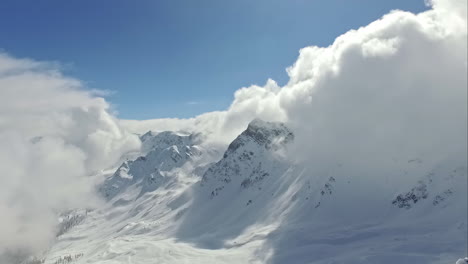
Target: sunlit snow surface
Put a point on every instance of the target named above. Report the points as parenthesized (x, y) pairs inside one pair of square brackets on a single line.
[(251, 205)]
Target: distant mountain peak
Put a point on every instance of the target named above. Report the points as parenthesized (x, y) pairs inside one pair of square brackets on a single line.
[(161, 152), (161, 140), (250, 157), (264, 134)]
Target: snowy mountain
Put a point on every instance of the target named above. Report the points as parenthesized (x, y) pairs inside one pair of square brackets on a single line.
[(162, 153), (181, 202), (250, 157)]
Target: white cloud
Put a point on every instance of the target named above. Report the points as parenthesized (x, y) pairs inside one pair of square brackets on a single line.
[(404, 74), (396, 87), (53, 134)]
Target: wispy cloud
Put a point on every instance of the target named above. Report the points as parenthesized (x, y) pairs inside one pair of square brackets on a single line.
[(102, 93), (375, 89), (194, 103)]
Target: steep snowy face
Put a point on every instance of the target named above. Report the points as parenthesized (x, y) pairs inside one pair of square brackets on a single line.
[(253, 184), (267, 135), (252, 156), (162, 152), (237, 191)]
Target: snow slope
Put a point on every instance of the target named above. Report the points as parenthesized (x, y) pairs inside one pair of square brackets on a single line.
[(181, 202)]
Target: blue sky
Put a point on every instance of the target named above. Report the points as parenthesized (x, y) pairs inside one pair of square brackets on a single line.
[(178, 58)]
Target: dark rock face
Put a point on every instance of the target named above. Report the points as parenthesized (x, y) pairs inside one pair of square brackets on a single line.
[(435, 185), (70, 220), (326, 190), (250, 158), (262, 133), (442, 197), (408, 199)]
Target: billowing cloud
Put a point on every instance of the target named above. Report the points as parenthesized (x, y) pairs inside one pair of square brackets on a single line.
[(394, 87), (53, 135), (377, 97)]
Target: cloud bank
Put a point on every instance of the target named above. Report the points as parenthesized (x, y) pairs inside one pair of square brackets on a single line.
[(377, 97), (53, 135), (396, 87)]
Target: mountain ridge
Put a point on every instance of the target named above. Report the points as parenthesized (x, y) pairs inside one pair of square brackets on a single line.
[(237, 206)]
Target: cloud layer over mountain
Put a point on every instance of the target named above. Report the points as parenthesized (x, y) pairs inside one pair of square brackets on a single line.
[(396, 85), (380, 95), (53, 134)]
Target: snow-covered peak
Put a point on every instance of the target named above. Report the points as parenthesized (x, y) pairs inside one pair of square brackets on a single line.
[(265, 132), (161, 152), (162, 140), (259, 123), (251, 157), (262, 134)]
